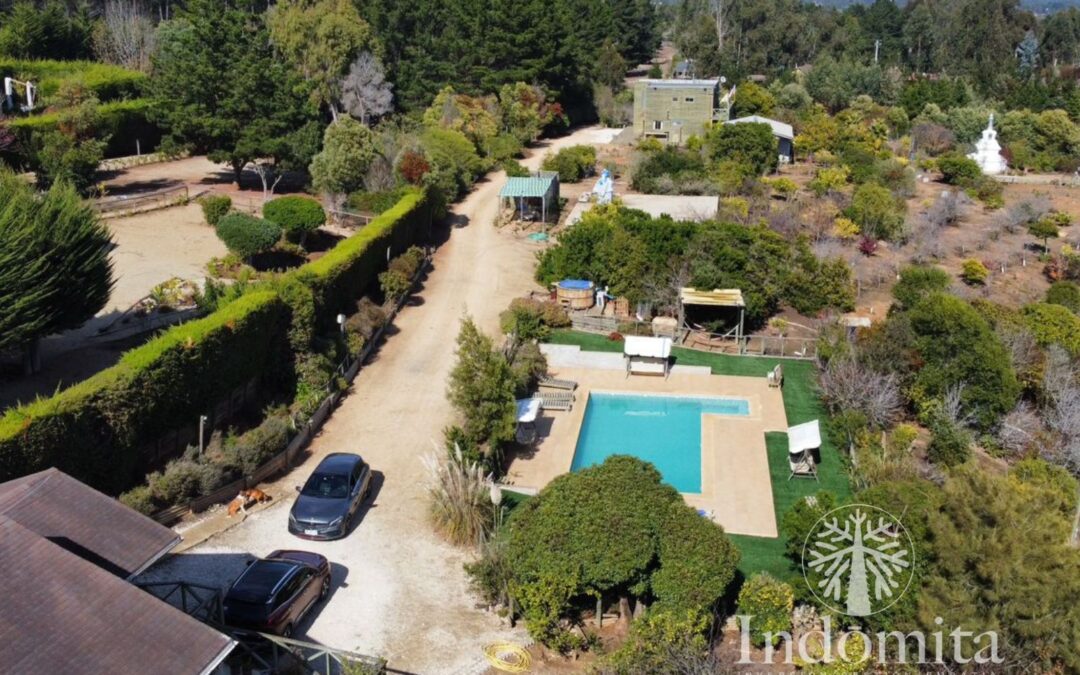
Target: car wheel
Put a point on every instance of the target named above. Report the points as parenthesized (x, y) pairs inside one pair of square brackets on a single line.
[(325, 591)]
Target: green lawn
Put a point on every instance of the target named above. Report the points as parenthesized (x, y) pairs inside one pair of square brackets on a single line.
[(801, 404)]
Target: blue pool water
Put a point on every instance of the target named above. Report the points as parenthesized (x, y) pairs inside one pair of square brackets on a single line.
[(663, 430)]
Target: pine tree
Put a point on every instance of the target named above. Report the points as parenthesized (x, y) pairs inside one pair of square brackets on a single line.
[(55, 271)]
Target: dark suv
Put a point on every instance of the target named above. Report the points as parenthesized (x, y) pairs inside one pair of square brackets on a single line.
[(273, 594), (331, 497)]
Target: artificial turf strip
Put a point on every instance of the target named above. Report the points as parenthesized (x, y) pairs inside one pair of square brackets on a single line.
[(801, 403)]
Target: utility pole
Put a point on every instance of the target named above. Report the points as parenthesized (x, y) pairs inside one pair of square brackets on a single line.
[(877, 46)]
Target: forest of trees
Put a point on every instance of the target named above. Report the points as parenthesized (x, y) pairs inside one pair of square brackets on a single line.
[(997, 44)]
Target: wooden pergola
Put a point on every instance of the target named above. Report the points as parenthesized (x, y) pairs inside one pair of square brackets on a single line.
[(720, 297)]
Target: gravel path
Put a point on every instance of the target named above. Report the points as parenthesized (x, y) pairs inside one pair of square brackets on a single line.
[(399, 591)]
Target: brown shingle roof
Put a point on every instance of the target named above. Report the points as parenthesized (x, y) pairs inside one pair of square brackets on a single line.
[(86, 522), (62, 614)]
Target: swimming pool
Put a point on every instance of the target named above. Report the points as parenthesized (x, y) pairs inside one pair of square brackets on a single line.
[(663, 430)]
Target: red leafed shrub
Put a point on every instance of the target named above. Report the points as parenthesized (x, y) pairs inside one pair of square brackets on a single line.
[(868, 246), (413, 167), (615, 336)]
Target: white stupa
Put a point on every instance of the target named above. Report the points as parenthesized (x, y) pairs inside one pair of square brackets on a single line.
[(988, 151)]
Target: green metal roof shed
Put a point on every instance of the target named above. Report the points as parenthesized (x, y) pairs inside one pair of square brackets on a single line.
[(542, 185)]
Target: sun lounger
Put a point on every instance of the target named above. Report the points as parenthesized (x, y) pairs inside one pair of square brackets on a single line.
[(555, 400), (552, 383), (776, 376)]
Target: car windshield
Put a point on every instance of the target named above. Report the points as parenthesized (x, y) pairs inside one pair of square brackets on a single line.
[(328, 485)]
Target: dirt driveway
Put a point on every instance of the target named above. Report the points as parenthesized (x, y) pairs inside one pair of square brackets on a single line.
[(401, 593)]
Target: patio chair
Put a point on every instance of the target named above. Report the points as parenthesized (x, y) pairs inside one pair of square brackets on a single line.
[(803, 465), (776, 376), (552, 383), (555, 400)]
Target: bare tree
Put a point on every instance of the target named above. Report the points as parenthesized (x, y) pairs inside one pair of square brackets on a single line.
[(125, 36), (1019, 429), (365, 93), (720, 8), (1062, 410), (949, 208), (1024, 352), (847, 384), (664, 289)]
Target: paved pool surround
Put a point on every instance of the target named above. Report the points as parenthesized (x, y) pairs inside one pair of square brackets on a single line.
[(735, 482)]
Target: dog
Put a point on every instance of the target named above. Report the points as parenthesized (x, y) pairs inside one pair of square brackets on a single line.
[(246, 498)]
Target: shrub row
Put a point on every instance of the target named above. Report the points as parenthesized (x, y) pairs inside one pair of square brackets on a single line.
[(108, 82), (94, 429), (338, 278), (123, 121)]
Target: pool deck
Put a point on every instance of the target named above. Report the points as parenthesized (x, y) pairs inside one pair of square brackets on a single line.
[(736, 486)]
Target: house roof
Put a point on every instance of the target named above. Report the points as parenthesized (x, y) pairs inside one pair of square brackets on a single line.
[(63, 614), (82, 520), (778, 128), (535, 185), (721, 297), (679, 84)]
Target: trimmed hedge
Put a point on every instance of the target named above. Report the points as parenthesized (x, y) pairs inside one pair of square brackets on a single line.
[(346, 271), (95, 429), (122, 121), (295, 214), (107, 82), (245, 235)]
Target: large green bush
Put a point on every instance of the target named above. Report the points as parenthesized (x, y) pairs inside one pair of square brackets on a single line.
[(245, 235), (768, 602), (958, 348), (1053, 324), (876, 211), (612, 531), (214, 207), (296, 215), (958, 169), (573, 163), (918, 281), (749, 144), (1064, 293)]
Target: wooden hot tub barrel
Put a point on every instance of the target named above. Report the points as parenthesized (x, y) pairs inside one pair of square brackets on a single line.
[(576, 293)]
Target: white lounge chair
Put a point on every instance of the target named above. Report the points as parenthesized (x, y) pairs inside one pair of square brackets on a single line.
[(552, 383), (555, 400), (803, 440), (776, 376)]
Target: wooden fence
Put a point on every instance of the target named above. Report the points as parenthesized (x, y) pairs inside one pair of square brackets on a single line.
[(125, 205), (350, 219), (751, 345)]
